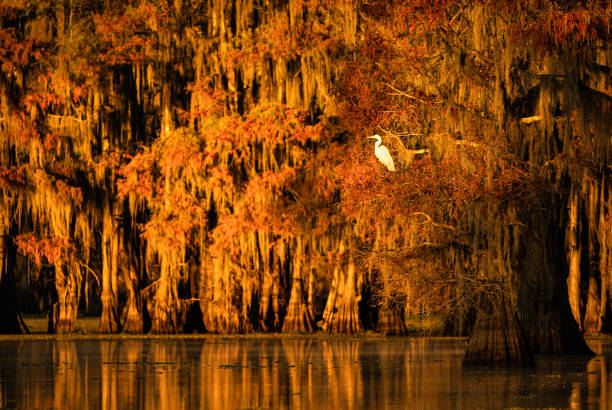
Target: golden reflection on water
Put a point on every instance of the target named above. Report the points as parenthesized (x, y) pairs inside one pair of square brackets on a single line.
[(171, 373)]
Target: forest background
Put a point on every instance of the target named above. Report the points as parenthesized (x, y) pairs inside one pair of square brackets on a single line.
[(190, 165)]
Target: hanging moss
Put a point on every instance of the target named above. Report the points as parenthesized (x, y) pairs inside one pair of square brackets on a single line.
[(212, 153)]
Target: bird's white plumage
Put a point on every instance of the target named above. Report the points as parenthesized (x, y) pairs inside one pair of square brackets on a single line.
[(382, 153)]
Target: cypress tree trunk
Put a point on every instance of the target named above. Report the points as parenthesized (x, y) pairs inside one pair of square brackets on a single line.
[(208, 282), (544, 308), (592, 322), (134, 308), (10, 318), (341, 313), (298, 317), (223, 299), (135, 317), (604, 232), (269, 304), (167, 310), (65, 311), (391, 320), (393, 308), (574, 256), (497, 339), (109, 320), (527, 311)]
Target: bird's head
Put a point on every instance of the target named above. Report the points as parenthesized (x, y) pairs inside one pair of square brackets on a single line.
[(376, 137)]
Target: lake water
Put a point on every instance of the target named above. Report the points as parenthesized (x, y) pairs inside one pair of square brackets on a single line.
[(172, 373)]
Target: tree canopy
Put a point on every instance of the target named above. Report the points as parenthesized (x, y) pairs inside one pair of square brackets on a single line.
[(188, 165)]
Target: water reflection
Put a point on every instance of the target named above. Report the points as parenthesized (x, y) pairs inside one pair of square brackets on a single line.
[(286, 373)]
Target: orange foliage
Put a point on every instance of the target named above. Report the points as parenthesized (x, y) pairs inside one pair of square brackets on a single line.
[(15, 53), (565, 27), (24, 130), (424, 15), (370, 87), (281, 38), (224, 163), (209, 102), (175, 226), (42, 100), (47, 250), (137, 176), (62, 187), (125, 35), (443, 189), (12, 178), (51, 140)]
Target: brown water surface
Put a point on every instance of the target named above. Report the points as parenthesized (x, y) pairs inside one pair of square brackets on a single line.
[(287, 373)]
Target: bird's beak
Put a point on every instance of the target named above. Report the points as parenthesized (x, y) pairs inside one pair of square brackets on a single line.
[(371, 137)]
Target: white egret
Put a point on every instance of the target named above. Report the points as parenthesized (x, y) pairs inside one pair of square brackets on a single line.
[(382, 153)]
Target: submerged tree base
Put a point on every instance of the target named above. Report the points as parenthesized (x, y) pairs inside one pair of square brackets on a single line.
[(497, 340), (391, 322)]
